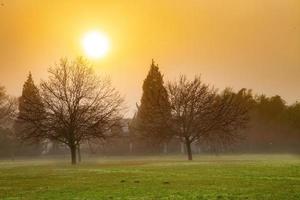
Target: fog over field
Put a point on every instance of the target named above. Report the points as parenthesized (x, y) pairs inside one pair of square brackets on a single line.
[(160, 99)]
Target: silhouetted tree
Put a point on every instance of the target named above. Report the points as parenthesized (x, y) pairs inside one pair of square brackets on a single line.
[(7, 143), (268, 129), (7, 114), (78, 106), (293, 114), (199, 113), (31, 112), (233, 110), (293, 120), (7, 106), (270, 109), (151, 120)]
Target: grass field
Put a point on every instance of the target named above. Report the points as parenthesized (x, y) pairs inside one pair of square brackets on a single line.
[(207, 177)]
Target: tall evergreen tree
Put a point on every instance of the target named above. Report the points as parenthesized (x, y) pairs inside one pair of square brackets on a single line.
[(30, 107), (151, 120)]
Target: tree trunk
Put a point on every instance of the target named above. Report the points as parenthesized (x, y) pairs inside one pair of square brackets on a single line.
[(130, 147), (79, 153), (165, 148), (189, 149), (73, 154), (13, 155), (182, 147)]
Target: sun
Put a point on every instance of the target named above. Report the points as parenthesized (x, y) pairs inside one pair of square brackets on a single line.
[(95, 44)]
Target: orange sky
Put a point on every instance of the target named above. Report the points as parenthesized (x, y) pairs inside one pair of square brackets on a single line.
[(237, 43)]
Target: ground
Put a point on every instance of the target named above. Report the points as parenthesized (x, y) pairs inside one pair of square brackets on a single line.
[(144, 178)]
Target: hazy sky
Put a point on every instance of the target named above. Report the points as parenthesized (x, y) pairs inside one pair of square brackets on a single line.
[(238, 43)]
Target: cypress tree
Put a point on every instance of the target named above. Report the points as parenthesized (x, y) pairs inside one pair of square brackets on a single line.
[(153, 115), (31, 110)]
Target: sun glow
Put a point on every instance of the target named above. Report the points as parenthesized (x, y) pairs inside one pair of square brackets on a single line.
[(95, 44)]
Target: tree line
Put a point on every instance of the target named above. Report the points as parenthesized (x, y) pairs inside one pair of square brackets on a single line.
[(190, 110), (74, 106)]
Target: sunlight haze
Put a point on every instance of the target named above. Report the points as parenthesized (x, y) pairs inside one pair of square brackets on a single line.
[(253, 44)]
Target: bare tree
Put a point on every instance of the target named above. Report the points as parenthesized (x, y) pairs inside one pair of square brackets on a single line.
[(200, 113), (7, 106), (78, 106)]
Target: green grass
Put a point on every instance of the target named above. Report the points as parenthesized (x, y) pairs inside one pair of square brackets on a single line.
[(207, 177)]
